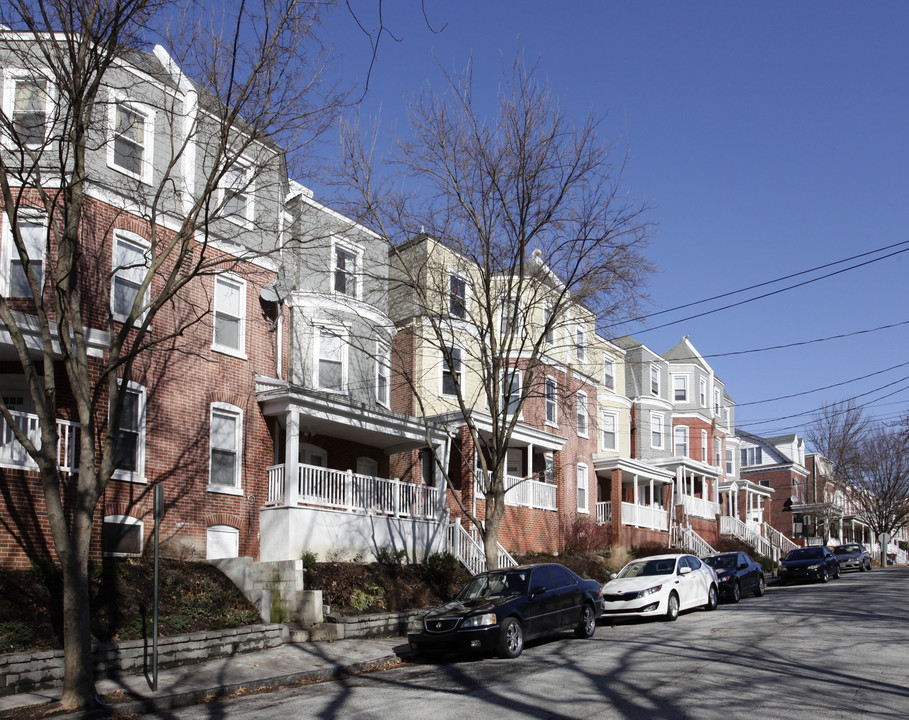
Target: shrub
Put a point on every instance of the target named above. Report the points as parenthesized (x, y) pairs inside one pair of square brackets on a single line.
[(584, 536), (392, 558), (371, 596), (619, 557), (15, 635), (310, 559)]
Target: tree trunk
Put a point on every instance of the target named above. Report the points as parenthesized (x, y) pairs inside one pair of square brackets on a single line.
[(79, 674)]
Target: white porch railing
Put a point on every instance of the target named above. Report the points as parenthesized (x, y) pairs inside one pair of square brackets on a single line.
[(467, 548), (687, 539), (604, 513), (647, 516), (350, 491), (735, 527), (698, 507), (814, 542), (777, 539), (13, 454), (523, 492)]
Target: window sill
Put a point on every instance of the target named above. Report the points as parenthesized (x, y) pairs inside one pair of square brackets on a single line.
[(142, 178), (239, 354), (584, 511), (224, 490), (551, 424), (129, 477)]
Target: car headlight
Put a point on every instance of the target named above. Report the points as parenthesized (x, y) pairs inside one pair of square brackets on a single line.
[(480, 620), (649, 591), (726, 578), (816, 566)]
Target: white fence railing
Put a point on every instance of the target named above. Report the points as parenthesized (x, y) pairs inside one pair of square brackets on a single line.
[(524, 492), (604, 513), (350, 491), (646, 516), (777, 539), (698, 507), (12, 453), (467, 548), (735, 527), (691, 542)]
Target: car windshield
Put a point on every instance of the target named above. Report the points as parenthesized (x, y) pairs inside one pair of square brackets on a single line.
[(846, 549), (722, 562), (805, 554), (498, 584), (642, 568)]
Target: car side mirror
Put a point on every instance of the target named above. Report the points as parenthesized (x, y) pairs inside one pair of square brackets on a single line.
[(685, 570), (538, 590), (613, 576), (743, 566)]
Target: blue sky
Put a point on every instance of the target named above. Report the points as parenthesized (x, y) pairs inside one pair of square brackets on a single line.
[(767, 138)]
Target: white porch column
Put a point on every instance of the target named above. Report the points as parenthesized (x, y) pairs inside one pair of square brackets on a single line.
[(529, 472), (292, 458), (652, 503), (636, 500)]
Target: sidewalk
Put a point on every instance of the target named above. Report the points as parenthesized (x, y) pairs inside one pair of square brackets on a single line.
[(284, 665)]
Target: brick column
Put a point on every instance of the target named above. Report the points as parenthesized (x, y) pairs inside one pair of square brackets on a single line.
[(615, 497)]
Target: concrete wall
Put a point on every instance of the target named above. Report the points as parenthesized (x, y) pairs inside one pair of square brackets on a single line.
[(288, 532)]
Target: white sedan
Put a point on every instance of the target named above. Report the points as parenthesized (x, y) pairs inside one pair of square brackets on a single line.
[(660, 585)]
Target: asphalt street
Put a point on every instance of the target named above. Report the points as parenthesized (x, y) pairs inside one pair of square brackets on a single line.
[(839, 650)]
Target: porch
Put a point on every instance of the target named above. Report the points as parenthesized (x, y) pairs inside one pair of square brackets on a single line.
[(640, 491), (13, 454), (652, 517), (521, 491)]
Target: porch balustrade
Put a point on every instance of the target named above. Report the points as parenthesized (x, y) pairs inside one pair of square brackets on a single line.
[(13, 454), (604, 513), (521, 492), (645, 516), (698, 507), (352, 492)]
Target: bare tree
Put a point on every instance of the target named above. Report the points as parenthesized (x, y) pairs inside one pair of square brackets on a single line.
[(85, 90), (838, 432), (510, 239)]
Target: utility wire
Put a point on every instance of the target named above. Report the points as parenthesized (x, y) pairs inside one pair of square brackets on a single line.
[(762, 284)]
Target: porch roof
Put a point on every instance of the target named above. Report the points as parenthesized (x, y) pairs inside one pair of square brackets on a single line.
[(822, 509), (632, 466), (522, 435), (335, 416), (745, 484), (690, 464)]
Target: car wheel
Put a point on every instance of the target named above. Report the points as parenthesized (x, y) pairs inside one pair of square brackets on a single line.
[(736, 592), (588, 625), (511, 639), (869, 566), (672, 607), (712, 598), (836, 575), (759, 590), (824, 576)]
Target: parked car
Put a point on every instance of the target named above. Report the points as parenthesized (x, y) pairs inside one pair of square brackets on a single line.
[(660, 585), (736, 573), (853, 556), (809, 563), (498, 611)]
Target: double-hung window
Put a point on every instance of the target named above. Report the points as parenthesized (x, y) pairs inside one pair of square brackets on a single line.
[(457, 297), (608, 423), (451, 370), (548, 329), (705, 455), (680, 388), (730, 461), (230, 315), (552, 405), (580, 343), (346, 270), (130, 456), (225, 442), (28, 110), (33, 231), (131, 140), (130, 265), (582, 414), (681, 441), (716, 402), (654, 379), (582, 488), (383, 375), (702, 391), (656, 430), (331, 361), (511, 391), (609, 373), (237, 194)]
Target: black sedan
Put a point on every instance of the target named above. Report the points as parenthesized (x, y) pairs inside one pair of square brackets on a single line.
[(498, 610), (853, 556), (809, 563), (737, 573)]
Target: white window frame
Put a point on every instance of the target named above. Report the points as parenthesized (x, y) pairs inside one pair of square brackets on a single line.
[(730, 461), (583, 488), (510, 307), (550, 334), (132, 273), (716, 401), (221, 408), (512, 375), (464, 301), (225, 530), (718, 450), (458, 373), (580, 343), (676, 390), (383, 371), (582, 415), (11, 76), (657, 420), (705, 452), (702, 391), (355, 276), (343, 337), (246, 184), (607, 418), (655, 379), (609, 373), (551, 403), (137, 475), (240, 283), (28, 215), (124, 520), (148, 115), (681, 441)]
